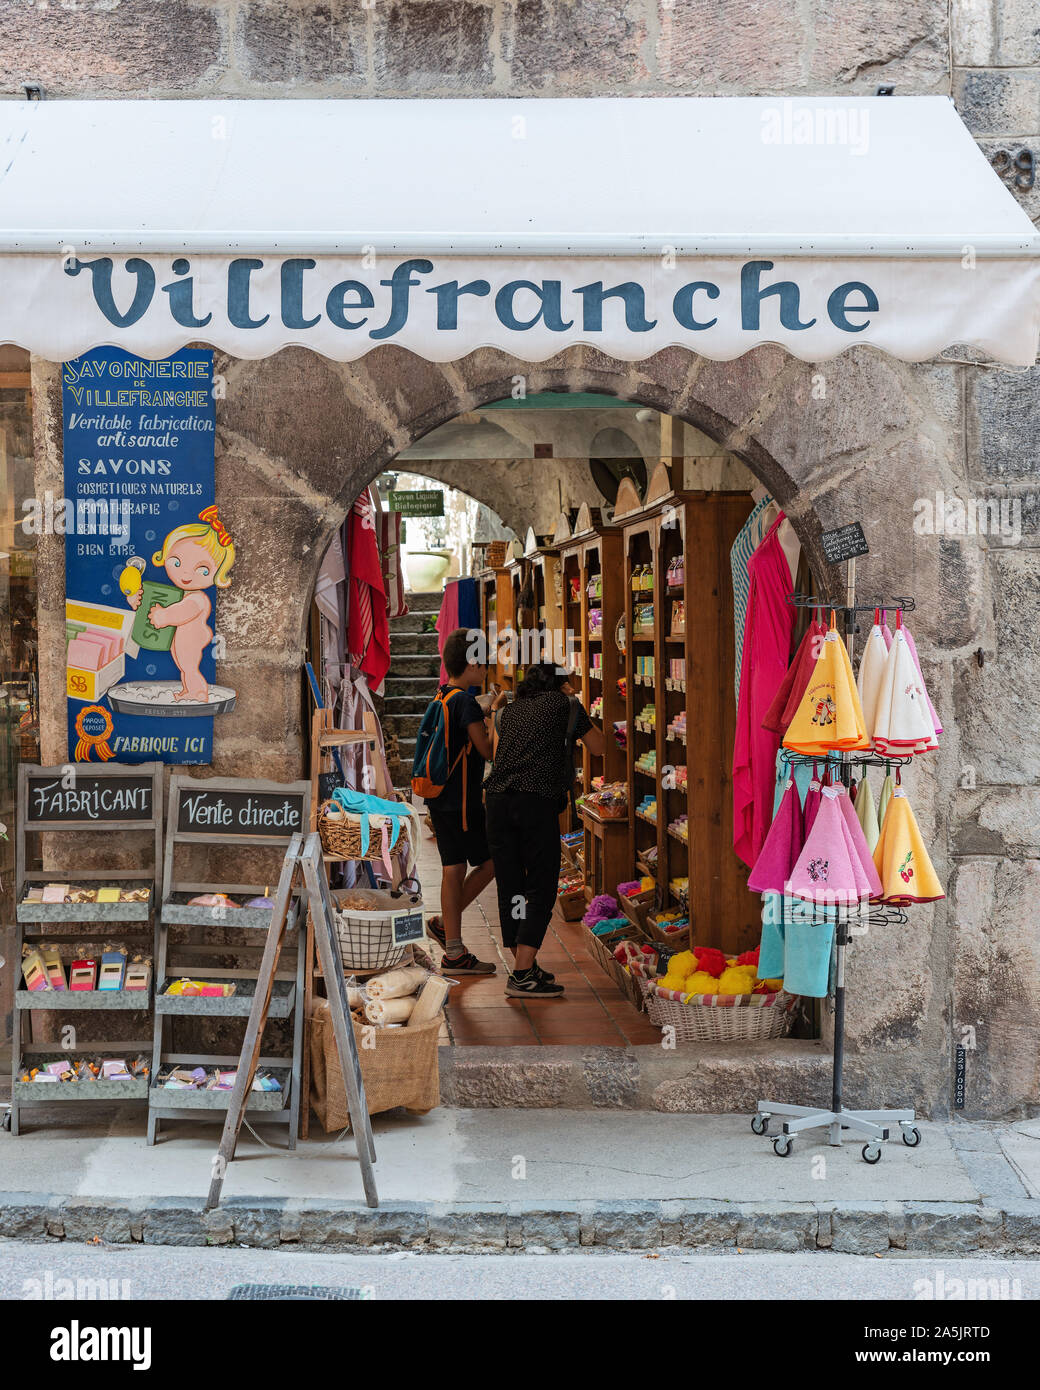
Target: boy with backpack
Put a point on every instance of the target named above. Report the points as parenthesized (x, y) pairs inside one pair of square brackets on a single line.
[(448, 773)]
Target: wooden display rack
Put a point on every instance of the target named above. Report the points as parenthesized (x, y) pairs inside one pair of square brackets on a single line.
[(41, 791), (701, 527), (592, 553), (233, 805)]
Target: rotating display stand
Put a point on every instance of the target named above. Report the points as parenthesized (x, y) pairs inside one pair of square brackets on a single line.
[(874, 1126)]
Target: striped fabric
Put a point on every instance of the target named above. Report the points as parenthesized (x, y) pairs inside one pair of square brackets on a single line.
[(748, 540)]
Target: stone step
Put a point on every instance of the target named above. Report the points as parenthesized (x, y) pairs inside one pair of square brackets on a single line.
[(410, 665), (405, 726), (424, 603), (411, 626), (418, 688)]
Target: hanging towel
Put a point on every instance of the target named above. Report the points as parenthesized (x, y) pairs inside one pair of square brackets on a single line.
[(866, 814), (888, 786), (829, 716), (828, 870), (782, 846), (917, 662), (863, 851), (389, 527), (368, 628), (447, 623), (871, 672), (903, 723), (767, 644), (789, 695), (901, 859), (749, 537), (812, 800)]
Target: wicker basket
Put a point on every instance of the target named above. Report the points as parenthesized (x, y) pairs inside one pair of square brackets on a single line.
[(720, 1018), (677, 940), (366, 940), (341, 834), (625, 981)]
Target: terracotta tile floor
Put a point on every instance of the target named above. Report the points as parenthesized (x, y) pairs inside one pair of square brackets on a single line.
[(592, 1012)]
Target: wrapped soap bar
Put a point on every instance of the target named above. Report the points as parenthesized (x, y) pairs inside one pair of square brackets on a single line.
[(113, 967), (114, 1070), (34, 970), (53, 964), (55, 892), (108, 895), (83, 973), (138, 973)]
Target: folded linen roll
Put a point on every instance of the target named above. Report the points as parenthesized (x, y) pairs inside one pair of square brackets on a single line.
[(384, 1011), (395, 984)]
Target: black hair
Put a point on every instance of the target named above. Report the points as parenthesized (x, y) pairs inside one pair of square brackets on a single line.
[(540, 679), (463, 647)]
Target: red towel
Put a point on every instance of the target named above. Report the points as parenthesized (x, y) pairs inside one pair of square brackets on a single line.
[(368, 628)]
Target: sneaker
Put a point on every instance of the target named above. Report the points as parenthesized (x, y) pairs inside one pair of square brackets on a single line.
[(543, 974), (466, 964), (531, 984), (435, 927)]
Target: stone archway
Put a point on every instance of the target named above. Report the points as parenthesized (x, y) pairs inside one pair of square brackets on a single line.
[(861, 437)]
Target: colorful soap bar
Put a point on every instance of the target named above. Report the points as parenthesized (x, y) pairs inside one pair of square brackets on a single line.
[(82, 974), (34, 969), (55, 969), (113, 966)]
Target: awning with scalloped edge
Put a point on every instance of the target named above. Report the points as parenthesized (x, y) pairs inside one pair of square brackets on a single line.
[(631, 224)]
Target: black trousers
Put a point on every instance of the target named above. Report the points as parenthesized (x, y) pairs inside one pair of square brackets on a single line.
[(523, 832)]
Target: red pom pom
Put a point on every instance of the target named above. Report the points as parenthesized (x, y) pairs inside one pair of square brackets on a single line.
[(710, 959), (749, 957)]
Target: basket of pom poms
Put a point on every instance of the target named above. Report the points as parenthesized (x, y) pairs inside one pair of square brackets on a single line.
[(636, 899), (709, 997), (668, 928), (570, 896)]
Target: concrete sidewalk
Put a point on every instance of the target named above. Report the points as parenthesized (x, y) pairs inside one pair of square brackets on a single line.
[(480, 1179)]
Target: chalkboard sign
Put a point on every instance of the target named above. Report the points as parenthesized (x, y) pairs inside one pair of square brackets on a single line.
[(844, 543), (85, 797), (225, 812), (406, 927)]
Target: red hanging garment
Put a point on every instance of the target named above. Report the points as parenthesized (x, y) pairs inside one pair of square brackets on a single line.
[(368, 627), (767, 645), (789, 695)]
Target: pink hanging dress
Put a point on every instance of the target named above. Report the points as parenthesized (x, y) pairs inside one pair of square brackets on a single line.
[(767, 650)]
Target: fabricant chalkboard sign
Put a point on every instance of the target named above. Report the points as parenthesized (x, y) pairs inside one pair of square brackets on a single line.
[(844, 543), (225, 811), (69, 796)]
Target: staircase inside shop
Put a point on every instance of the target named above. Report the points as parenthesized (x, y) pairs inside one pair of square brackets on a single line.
[(411, 682)]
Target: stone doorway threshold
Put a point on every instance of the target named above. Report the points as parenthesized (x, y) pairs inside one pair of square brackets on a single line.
[(688, 1079)]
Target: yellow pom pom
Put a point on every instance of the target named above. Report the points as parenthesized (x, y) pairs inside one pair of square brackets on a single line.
[(682, 964), (700, 982), (773, 986), (675, 982), (734, 981)]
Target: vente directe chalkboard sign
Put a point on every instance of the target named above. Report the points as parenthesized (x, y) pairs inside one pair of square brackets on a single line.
[(220, 811)]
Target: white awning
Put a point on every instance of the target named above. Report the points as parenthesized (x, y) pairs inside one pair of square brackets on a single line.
[(531, 225)]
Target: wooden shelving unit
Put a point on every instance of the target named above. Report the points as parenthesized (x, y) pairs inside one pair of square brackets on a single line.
[(52, 802), (220, 814), (692, 627)]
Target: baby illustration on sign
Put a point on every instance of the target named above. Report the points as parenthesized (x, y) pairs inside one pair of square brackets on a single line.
[(196, 557)]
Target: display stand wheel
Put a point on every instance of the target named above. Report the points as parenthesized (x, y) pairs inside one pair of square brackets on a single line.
[(759, 1124), (911, 1136), (6, 1122), (871, 1153), (782, 1145)]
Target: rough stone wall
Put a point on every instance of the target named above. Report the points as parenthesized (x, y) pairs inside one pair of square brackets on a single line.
[(249, 48)]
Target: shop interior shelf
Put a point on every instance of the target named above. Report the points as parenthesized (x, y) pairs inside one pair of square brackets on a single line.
[(77, 999), (162, 1099), (177, 912), (88, 913), (283, 1000)]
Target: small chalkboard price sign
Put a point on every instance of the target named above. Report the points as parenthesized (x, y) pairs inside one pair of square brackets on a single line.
[(406, 927), (56, 796), (844, 543), (226, 811)]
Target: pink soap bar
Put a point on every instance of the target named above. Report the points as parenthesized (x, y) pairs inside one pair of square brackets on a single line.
[(106, 643), (85, 654)]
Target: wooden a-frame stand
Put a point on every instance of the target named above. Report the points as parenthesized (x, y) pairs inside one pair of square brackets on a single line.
[(305, 857)]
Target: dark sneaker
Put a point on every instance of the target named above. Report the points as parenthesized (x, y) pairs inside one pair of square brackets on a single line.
[(543, 974), (466, 964), (435, 928), (532, 984)]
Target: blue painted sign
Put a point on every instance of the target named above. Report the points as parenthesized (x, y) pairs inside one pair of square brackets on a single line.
[(146, 553)]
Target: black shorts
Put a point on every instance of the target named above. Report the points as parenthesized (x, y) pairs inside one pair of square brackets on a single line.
[(455, 845)]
